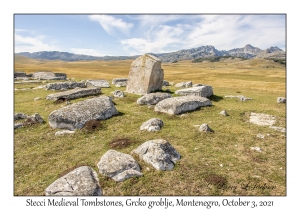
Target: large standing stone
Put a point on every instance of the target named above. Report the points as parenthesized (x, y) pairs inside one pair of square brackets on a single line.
[(153, 124), (75, 93), (48, 75), (98, 83), (82, 181), (145, 75), (262, 119), (76, 115), (159, 153), (178, 105), (153, 98), (64, 85), (118, 166), (203, 91)]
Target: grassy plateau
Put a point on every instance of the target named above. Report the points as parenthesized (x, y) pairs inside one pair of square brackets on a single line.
[(219, 163)]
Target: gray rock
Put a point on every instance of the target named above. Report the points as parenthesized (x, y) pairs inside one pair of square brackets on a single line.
[(64, 132), (82, 181), (75, 116), (153, 124), (198, 85), (118, 166), (145, 75), (184, 84), (281, 100), (165, 83), (19, 74), (224, 113), (64, 85), (48, 75), (118, 80), (97, 83), (18, 125), (241, 97), (262, 119), (281, 129), (159, 153), (121, 84), (37, 98), (178, 105), (205, 128), (153, 98), (203, 91), (118, 94), (74, 93), (19, 116), (258, 149)]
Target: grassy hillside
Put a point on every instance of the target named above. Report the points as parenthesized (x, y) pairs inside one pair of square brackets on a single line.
[(208, 160)]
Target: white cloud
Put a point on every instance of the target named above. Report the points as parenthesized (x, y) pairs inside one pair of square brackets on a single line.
[(110, 24), (32, 44), (91, 52)]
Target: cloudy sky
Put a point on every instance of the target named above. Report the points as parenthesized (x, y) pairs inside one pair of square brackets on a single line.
[(107, 34)]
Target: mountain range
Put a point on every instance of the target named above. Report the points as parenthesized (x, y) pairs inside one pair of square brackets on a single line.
[(190, 54)]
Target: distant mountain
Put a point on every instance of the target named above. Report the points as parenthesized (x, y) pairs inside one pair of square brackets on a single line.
[(190, 54)]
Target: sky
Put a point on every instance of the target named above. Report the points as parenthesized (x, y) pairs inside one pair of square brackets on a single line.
[(133, 34)]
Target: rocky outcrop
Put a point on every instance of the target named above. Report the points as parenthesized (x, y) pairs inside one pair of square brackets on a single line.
[(64, 85), (82, 181), (98, 83), (75, 93), (153, 98), (153, 124), (75, 116), (118, 166), (159, 153), (184, 84), (178, 105), (145, 75), (48, 75), (203, 91)]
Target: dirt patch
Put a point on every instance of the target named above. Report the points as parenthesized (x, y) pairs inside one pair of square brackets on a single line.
[(93, 125), (29, 122), (120, 143), (216, 180)]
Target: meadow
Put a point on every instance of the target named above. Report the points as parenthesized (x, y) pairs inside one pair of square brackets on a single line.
[(219, 163)]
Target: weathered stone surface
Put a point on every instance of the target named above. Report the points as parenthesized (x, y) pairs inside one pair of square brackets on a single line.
[(153, 98), (64, 85), (159, 153), (28, 81), (184, 84), (281, 129), (165, 83), (19, 116), (178, 105), (145, 75), (224, 113), (75, 116), (119, 82), (262, 119), (74, 93), (48, 75), (98, 83), (118, 166), (205, 128), (281, 100), (118, 94), (63, 132), (153, 124), (203, 91), (82, 181)]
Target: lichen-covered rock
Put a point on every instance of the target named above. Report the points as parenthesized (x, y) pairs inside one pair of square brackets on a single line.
[(82, 181), (145, 75), (118, 166), (153, 98), (178, 105), (64, 85), (262, 119), (74, 93), (203, 91), (118, 94), (48, 75), (153, 124), (75, 116), (159, 153), (98, 83), (184, 84), (281, 100)]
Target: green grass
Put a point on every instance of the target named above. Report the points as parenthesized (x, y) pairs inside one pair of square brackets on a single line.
[(40, 157)]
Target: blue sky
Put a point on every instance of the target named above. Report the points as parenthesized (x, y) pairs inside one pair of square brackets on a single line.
[(101, 35)]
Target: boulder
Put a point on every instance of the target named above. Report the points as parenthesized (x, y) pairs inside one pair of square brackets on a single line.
[(184, 84), (74, 93), (82, 181), (118, 166), (97, 83), (119, 82), (48, 75), (159, 153), (145, 75), (178, 105), (262, 119), (64, 85), (153, 124), (153, 98), (203, 91), (75, 116), (281, 100), (118, 94)]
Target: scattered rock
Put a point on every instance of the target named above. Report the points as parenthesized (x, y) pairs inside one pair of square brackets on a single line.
[(120, 143), (76, 115), (159, 153), (120, 82), (178, 105), (118, 94), (29, 120), (224, 113), (258, 149), (19, 74), (64, 85), (75, 93), (37, 98), (153, 124), (18, 125), (262, 119), (48, 75), (241, 97), (97, 83), (82, 181), (203, 91), (281, 100), (153, 98), (165, 83), (145, 75), (281, 129), (20, 116), (261, 136), (118, 166), (205, 128), (184, 84), (63, 132)]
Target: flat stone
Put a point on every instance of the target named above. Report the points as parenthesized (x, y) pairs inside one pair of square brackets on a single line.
[(120, 82), (281, 129), (98, 83), (178, 105), (118, 94), (82, 181), (159, 153), (74, 93), (224, 113), (153, 98), (258, 149), (75, 116), (241, 97), (153, 124), (262, 119), (184, 84), (203, 91), (64, 132), (118, 166), (48, 75), (64, 85)]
